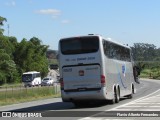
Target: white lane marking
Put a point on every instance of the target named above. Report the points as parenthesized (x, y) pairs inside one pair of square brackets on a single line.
[(132, 102), (147, 96)]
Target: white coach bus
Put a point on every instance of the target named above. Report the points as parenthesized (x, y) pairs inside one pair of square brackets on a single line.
[(94, 68), (31, 78)]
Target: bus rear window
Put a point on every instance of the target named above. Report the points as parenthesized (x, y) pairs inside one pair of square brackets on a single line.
[(79, 45)]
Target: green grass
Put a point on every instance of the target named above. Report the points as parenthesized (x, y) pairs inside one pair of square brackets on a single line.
[(150, 69), (153, 73), (13, 96)]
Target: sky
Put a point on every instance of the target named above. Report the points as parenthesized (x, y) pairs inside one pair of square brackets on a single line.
[(124, 21)]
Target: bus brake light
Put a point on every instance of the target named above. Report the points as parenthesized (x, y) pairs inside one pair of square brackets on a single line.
[(103, 80)]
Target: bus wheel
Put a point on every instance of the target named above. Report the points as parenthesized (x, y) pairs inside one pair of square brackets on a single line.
[(117, 96), (131, 95)]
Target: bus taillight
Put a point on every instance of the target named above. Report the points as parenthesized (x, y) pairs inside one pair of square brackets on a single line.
[(103, 80), (61, 83)]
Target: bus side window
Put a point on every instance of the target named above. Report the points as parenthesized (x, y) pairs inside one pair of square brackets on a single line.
[(105, 47), (34, 76)]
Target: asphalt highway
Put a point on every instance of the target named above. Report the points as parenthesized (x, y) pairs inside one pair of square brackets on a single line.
[(147, 98)]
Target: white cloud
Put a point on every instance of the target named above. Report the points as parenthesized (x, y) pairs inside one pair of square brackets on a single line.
[(53, 12), (11, 3)]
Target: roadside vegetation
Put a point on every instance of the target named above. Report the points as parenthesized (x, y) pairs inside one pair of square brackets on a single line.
[(12, 95), (150, 70), (147, 58), (17, 58)]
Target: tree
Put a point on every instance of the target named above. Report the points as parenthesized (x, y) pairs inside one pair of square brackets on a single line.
[(39, 58), (144, 52), (16, 58), (2, 19), (31, 56), (7, 67)]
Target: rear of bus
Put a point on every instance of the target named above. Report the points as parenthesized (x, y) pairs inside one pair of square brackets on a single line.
[(81, 73)]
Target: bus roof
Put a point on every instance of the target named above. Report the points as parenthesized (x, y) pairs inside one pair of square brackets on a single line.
[(97, 35), (31, 72)]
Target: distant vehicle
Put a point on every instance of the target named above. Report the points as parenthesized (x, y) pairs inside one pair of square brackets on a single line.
[(47, 81), (55, 71), (31, 78), (94, 68), (54, 66)]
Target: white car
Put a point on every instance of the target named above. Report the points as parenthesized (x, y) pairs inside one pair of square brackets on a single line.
[(47, 81)]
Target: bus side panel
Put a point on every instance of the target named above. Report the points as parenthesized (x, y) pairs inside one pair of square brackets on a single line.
[(118, 73), (110, 78)]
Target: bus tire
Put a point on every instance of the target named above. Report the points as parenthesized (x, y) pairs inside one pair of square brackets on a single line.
[(131, 95), (117, 95)]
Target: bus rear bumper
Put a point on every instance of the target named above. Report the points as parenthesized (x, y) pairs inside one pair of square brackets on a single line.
[(84, 95)]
